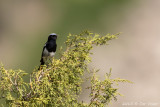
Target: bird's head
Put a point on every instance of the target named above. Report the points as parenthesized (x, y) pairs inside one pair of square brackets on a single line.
[(52, 36)]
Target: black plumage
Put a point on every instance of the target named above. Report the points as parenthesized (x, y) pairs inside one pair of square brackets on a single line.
[(49, 48)]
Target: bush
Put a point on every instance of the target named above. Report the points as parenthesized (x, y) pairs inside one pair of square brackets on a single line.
[(59, 83)]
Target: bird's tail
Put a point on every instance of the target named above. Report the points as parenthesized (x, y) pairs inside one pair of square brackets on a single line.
[(42, 63)]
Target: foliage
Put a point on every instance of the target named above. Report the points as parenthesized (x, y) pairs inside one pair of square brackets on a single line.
[(59, 83)]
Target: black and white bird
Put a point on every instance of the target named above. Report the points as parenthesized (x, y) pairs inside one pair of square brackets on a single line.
[(49, 48)]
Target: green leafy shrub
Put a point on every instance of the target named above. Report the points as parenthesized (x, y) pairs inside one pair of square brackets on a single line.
[(59, 83)]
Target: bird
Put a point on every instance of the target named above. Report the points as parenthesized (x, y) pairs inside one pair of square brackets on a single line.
[(49, 48)]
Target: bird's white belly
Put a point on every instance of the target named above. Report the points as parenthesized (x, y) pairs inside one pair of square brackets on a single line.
[(48, 54), (51, 54)]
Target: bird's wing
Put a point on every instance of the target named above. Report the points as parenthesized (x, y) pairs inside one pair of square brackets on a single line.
[(43, 52)]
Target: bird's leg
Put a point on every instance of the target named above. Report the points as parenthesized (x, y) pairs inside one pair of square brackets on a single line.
[(50, 61)]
